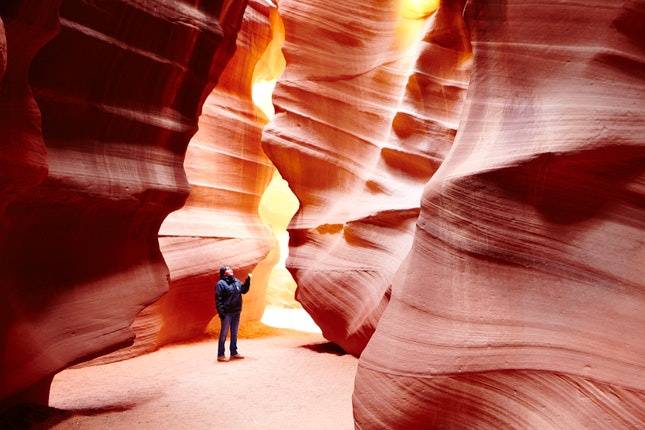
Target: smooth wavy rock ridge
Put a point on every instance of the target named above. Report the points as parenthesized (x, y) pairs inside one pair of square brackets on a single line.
[(520, 305), (94, 128), (356, 98)]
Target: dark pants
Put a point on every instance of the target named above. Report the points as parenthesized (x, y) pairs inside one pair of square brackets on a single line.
[(232, 322)]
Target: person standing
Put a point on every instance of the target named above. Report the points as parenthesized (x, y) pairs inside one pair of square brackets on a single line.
[(228, 299)]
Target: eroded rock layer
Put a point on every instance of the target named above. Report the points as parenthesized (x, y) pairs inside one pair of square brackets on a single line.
[(219, 222), (119, 90), (356, 99), (24, 30), (521, 302)]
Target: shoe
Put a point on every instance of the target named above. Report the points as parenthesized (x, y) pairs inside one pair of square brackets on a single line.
[(237, 357), (221, 358)]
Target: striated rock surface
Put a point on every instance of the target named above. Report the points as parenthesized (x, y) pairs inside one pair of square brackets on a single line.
[(219, 224), (3, 50), (357, 98), (228, 173), (119, 90), (23, 166), (521, 302)]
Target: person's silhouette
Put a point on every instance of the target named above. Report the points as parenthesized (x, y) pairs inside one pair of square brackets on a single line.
[(228, 299)]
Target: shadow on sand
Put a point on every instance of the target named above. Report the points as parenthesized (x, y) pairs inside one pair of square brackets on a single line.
[(29, 416), (325, 348)]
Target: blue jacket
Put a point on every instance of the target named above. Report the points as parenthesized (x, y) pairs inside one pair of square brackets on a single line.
[(228, 294)]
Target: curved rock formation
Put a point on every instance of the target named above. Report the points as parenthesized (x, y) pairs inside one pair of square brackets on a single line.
[(356, 99), (3, 50), (219, 224), (119, 89), (23, 166), (521, 302), (228, 172)]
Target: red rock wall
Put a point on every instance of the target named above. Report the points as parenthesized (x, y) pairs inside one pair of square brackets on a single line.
[(356, 97), (521, 302), (3, 50), (119, 90), (228, 172), (219, 224), (23, 166)]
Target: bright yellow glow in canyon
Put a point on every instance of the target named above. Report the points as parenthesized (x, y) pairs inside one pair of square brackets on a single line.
[(418, 9), (278, 203), (412, 16), (277, 207), (269, 68)]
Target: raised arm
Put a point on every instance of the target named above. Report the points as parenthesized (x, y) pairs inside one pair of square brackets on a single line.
[(247, 284)]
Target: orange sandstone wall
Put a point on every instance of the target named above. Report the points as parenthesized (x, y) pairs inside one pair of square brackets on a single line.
[(228, 173), (520, 304), (219, 223), (366, 110), (93, 132)]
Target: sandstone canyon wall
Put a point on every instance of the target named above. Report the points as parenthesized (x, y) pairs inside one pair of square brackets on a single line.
[(228, 173), (91, 164), (495, 239), (219, 223), (521, 302), (353, 105)]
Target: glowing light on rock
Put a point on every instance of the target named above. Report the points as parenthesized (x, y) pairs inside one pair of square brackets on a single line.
[(269, 68), (418, 9), (278, 203), (413, 15), (295, 319), (277, 207)]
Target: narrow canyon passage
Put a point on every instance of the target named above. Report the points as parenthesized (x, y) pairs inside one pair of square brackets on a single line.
[(288, 380), (443, 198)]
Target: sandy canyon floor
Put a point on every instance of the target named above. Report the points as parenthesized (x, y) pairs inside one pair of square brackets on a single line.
[(289, 380)]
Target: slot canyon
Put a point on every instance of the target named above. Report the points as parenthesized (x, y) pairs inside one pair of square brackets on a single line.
[(441, 204)]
